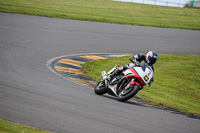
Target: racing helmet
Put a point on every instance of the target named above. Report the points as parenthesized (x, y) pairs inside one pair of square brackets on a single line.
[(151, 57)]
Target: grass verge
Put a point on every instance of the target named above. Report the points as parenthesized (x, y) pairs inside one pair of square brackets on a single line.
[(9, 127), (107, 11), (176, 85)]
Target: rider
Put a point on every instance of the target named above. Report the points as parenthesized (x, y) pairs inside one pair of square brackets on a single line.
[(138, 60)]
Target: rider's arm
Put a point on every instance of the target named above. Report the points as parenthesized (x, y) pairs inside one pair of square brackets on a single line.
[(137, 58), (127, 66)]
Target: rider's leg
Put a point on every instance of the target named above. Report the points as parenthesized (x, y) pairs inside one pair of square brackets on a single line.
[(117, 72)]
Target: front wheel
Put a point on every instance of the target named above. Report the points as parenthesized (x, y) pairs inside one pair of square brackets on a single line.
[(128, 93), (100, 88)]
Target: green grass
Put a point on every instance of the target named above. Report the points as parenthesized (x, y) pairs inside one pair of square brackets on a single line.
[(176, 85), (107, 11), (8, 127)]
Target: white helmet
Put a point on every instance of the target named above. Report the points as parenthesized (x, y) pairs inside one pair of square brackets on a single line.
[(151, 57)]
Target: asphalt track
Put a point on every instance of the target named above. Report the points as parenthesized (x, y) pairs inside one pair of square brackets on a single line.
[(33, 95)]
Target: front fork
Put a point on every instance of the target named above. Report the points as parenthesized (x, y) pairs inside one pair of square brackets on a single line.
[(105, 77)]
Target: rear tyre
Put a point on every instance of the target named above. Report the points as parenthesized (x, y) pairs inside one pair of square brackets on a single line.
[(100, 88), (128, 93)]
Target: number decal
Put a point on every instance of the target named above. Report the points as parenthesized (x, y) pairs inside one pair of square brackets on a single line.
[(149, 73)]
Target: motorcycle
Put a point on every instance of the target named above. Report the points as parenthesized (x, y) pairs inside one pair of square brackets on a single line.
[(126, 85)]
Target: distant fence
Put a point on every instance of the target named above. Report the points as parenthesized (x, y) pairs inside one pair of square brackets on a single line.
[(155, 2), (163, 3)]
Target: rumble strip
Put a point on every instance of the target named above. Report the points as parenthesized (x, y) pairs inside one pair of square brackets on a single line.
[(70, 66)]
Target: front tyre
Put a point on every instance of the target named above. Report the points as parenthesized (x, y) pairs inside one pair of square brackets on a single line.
[(128, 93), (100, 88)]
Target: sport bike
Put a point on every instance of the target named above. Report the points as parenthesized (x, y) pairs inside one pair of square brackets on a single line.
[(125, 85)]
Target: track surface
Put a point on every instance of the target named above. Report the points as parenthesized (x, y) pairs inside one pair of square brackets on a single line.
[(33, 95)]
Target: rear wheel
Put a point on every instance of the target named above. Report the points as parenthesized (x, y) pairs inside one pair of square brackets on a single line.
[(100, 88), (128, 92)]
